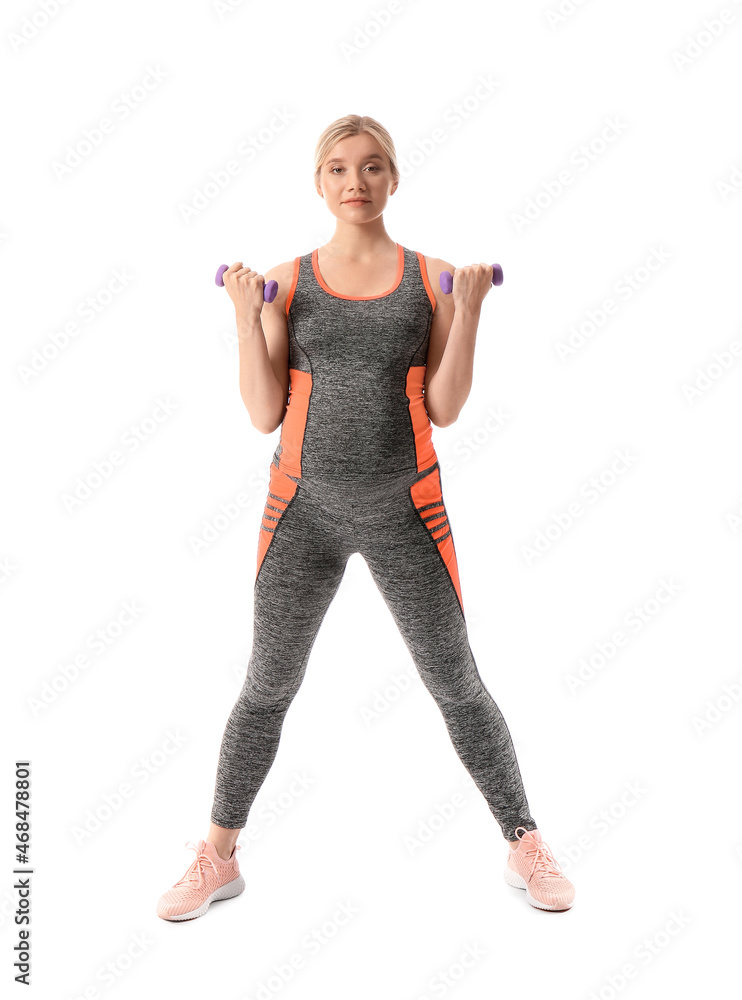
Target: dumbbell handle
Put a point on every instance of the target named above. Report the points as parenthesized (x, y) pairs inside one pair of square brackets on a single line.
[(447, 279), (270, 289)]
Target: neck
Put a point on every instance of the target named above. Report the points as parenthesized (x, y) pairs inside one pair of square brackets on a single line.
[(361, 242)]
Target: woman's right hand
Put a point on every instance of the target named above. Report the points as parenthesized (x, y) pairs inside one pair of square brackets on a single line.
[(245, 289)]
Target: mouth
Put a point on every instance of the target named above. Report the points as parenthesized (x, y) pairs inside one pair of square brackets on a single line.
[(356, 201)]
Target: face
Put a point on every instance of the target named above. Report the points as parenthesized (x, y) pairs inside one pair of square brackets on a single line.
[(356, 167)]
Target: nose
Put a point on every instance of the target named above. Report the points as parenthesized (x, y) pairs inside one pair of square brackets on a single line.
[(358, 185)]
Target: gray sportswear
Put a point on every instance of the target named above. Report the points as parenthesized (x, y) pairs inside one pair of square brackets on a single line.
[(355, 470)]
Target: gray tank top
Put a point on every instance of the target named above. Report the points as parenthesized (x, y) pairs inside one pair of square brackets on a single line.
[(356, 405)]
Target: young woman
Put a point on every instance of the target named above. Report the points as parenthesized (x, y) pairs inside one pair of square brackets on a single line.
[(368, 352)]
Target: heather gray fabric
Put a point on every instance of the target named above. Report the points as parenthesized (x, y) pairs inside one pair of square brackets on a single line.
[(358, 352), (324, 516)]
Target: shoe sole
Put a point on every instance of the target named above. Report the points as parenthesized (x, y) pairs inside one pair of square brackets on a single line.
[(226, 891), (514, 879)]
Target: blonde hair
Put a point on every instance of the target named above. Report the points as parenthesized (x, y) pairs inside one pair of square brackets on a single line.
[(353, 125)]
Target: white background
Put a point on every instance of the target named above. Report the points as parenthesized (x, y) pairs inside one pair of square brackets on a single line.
[(625, 744)]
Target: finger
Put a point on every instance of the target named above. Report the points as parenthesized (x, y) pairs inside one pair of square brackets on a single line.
[(230, 273)]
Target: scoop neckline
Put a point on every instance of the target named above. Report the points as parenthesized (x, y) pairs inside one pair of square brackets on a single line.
[(361, 298)]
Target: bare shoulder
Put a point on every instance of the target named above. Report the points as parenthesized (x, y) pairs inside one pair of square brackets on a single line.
[(435, 267), (284, 275)]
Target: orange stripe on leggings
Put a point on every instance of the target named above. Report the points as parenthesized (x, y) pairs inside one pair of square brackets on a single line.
[(280, 490), (427, 494)]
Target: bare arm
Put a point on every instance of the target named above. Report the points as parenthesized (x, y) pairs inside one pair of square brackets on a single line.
[(262, 392), (453, 334), (262, 334)]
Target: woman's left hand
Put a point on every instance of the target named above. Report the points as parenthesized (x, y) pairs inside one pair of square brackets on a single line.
[(470, 285)]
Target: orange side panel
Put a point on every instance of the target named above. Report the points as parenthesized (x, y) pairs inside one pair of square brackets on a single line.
[(295, 422), (280, 491), (426, 493), (424, 449)]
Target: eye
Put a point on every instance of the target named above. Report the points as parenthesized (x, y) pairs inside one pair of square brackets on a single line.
[(372, 165)]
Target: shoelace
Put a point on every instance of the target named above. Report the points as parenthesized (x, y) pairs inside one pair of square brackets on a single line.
[(544, 862), (195, 873)]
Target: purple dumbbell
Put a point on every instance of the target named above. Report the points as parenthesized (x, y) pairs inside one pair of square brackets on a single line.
[(447, 279), (270, 289)]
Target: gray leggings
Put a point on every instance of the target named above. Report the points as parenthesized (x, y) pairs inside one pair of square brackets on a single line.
[(399, 525)]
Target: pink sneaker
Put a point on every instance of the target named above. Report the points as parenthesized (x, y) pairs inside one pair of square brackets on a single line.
[(209, 878), (532, 866)]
